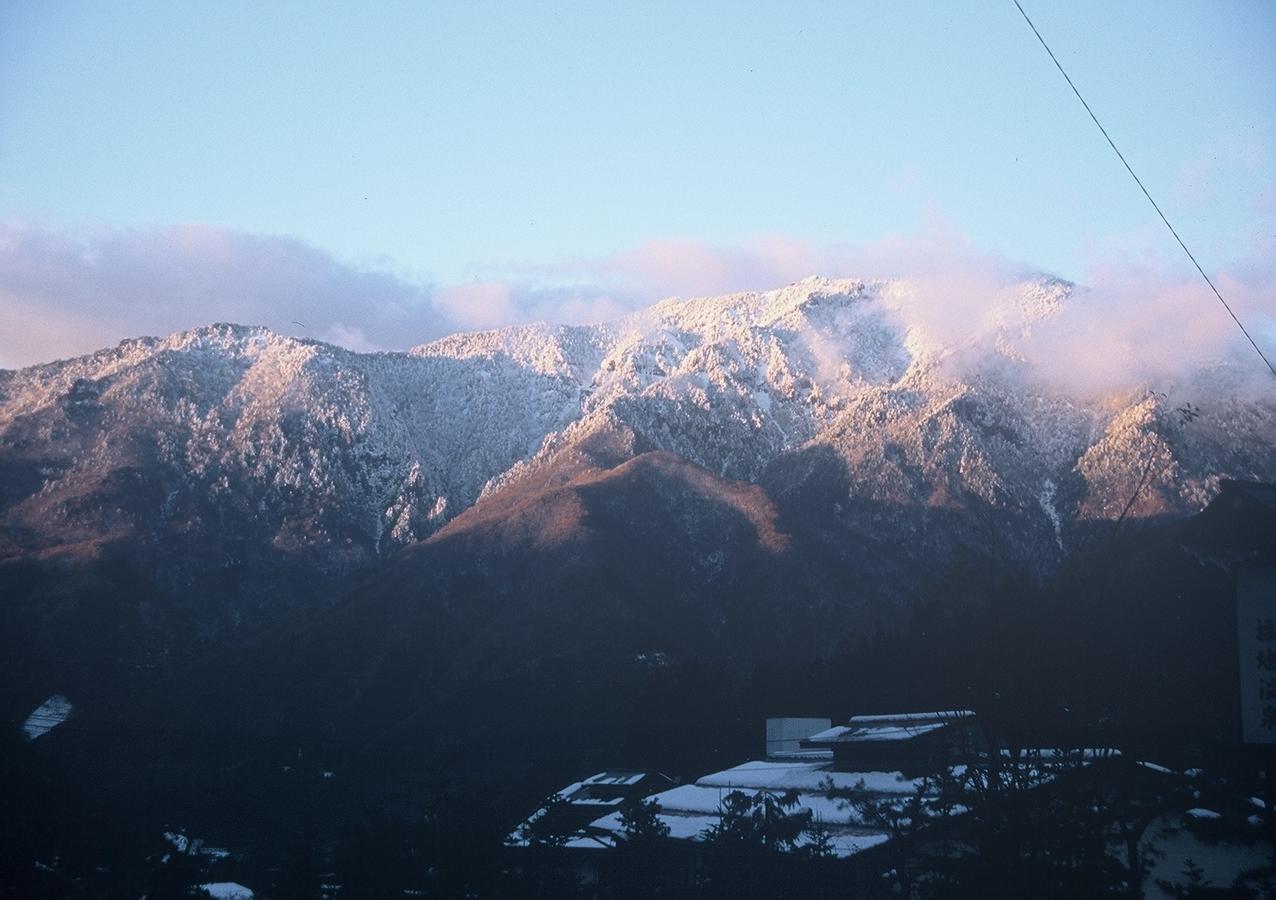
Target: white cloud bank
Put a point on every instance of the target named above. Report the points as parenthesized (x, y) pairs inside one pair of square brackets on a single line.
[(62, 295)]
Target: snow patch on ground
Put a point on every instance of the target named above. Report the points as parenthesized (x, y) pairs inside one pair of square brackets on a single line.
[(227, 890), (1198, 812), (47, 716), (1046, 499)]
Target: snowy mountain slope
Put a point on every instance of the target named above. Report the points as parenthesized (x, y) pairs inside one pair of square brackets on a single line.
[(319, 445), (734, 383), (758, 476), (309, 449)]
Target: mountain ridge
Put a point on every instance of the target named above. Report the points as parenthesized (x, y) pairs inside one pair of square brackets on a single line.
[(400, 443), (224, 453)]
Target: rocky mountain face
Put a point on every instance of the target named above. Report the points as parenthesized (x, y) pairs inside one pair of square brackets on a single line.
[(218, 476), (233, 441)]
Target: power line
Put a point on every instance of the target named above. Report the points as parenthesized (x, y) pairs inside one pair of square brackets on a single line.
[(1139, 182)]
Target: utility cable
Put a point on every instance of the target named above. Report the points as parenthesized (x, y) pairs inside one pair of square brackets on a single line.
[(1139, 182)]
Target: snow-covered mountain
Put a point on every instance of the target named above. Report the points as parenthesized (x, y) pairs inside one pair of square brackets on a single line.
[(619, 544), (241, 441), (299, 536)]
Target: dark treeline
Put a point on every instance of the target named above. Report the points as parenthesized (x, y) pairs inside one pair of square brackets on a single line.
[(1132, 646)]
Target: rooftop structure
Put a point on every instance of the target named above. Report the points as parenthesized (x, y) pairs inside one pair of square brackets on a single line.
[(806, 760), (568, 812), (815, 802), (784, 737), (690, 810), (910, 742)]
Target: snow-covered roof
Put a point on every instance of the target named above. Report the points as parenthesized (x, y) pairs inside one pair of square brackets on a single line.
[(801, 755), (620, 778), (938, 715), (588, 798), (689, 810), (829, 734), (775, 775), (894, 727)]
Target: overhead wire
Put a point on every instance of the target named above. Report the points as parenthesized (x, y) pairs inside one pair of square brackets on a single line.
[(1144, 189)]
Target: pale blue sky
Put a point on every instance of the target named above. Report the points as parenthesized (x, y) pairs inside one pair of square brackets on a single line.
[(448, 141)]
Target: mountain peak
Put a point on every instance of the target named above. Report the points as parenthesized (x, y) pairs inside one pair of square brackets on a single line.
[(327, 448)]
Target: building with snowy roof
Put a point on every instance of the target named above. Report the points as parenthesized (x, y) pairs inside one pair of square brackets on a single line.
[(691, 810), (908, 742), (567, 814), (883, 788), (807, 761)]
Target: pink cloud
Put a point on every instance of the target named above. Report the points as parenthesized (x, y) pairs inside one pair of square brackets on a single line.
[(686, 267), (497, 302), (1137, 319), (1133, 325), (64, 294), (689, 267), (480, 305)]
